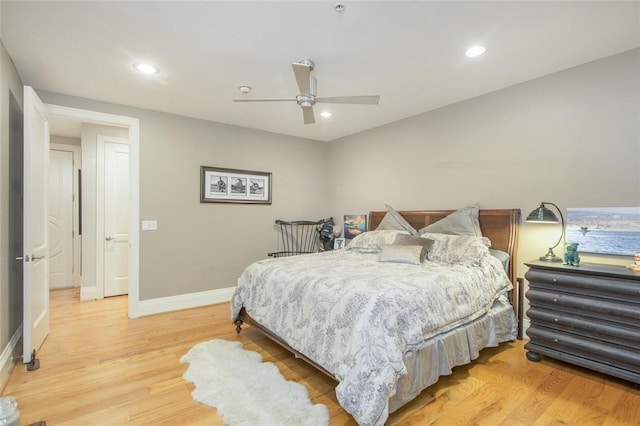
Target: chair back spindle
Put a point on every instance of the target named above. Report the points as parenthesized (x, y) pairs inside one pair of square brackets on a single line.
[(298, 237)]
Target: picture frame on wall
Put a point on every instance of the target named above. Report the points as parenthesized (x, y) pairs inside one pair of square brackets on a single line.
[(354, 225), (223, 185), (338, 244)]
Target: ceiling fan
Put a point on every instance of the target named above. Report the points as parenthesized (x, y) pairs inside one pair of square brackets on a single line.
[(307, 84)]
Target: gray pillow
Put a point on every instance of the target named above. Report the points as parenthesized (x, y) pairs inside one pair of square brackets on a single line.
[(400, 254), (462, 222), (502, 257), (410, 240), (394, 221)]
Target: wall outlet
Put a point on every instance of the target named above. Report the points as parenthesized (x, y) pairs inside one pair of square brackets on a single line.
[(149, 225)]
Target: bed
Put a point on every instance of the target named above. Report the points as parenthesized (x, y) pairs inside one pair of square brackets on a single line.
[(383, 326)]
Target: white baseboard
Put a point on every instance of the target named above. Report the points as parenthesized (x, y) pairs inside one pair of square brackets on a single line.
[(7, 357), (88, 292), (184, 301)]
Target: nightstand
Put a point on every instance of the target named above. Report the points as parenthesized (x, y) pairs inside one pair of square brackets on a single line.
[(587, 315)]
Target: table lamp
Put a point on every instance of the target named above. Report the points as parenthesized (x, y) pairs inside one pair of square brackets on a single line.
[(543, 215)]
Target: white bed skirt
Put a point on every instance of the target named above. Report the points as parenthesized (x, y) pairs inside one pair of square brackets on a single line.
[(453, 348)]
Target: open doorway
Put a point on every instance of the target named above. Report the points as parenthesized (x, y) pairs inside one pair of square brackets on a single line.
[(128, 127)]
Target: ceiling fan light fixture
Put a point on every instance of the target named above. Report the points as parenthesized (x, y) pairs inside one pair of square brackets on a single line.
[(475, 51), (145, 68)]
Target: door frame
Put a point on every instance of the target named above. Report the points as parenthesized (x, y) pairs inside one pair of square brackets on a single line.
[(100, 231), (77, 166), (133, 126)]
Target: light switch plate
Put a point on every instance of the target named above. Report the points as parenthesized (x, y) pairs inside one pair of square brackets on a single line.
[(149, 225)]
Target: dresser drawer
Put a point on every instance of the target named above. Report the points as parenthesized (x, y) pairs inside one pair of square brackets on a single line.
[(598, 351), (586, 306), (626, 290), (617, 334)]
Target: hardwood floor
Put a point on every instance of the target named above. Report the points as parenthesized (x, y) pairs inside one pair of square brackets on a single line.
[(99, 368)]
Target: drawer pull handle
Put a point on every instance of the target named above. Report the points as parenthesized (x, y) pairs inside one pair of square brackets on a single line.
[(555, 319), (555, 300), (555, 280), (555, 340)]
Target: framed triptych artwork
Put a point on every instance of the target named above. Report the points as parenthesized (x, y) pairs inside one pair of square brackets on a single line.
[(221, 185)]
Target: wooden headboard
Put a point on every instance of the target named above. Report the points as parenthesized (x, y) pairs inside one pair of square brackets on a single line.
[(499, 225)]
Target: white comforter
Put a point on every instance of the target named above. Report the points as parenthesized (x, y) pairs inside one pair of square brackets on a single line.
[(357, 317)]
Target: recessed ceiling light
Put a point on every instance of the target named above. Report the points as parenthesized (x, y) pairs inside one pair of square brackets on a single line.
[(325, 114), (474, 51), (146, 68)]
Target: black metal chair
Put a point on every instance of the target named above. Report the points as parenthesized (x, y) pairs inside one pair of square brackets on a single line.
[(298, 237)]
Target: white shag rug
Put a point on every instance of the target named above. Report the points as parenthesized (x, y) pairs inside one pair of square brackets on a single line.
[(247, 391)]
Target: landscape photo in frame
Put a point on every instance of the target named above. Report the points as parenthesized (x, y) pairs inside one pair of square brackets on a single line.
[(604, 230)]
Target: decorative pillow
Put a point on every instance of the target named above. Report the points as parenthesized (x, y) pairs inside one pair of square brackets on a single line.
[(410, 240), (372, 241), (462, 222), (400, 254), (461, 249), (394, 221)]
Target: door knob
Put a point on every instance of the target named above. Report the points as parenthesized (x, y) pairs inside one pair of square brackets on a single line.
[(109, 238)]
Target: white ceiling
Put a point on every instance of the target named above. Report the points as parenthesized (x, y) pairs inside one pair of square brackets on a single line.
[(410, 53)]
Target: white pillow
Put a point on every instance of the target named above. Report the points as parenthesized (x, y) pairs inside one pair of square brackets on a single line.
[(461, 222), (372, 241), (410, 240), (461, 249), (394, 221), (400, 254)]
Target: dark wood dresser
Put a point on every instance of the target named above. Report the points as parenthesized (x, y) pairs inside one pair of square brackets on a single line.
[(587, 315)]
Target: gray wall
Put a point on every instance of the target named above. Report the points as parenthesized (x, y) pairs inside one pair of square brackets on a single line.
[(572, 138), (200, 247), (205, 246)]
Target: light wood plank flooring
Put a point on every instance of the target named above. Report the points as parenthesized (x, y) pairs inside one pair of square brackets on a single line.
[(100, 368)]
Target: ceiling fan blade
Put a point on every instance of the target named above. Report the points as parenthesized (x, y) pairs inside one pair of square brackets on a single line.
[(265, 100), (303, 77), (307, 115), (364, 100)]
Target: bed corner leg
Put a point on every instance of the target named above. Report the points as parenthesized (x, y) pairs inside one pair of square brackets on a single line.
[(238, 324)]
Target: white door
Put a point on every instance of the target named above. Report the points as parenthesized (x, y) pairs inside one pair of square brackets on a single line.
[(115, 185), (60, 219), (36, 265)]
